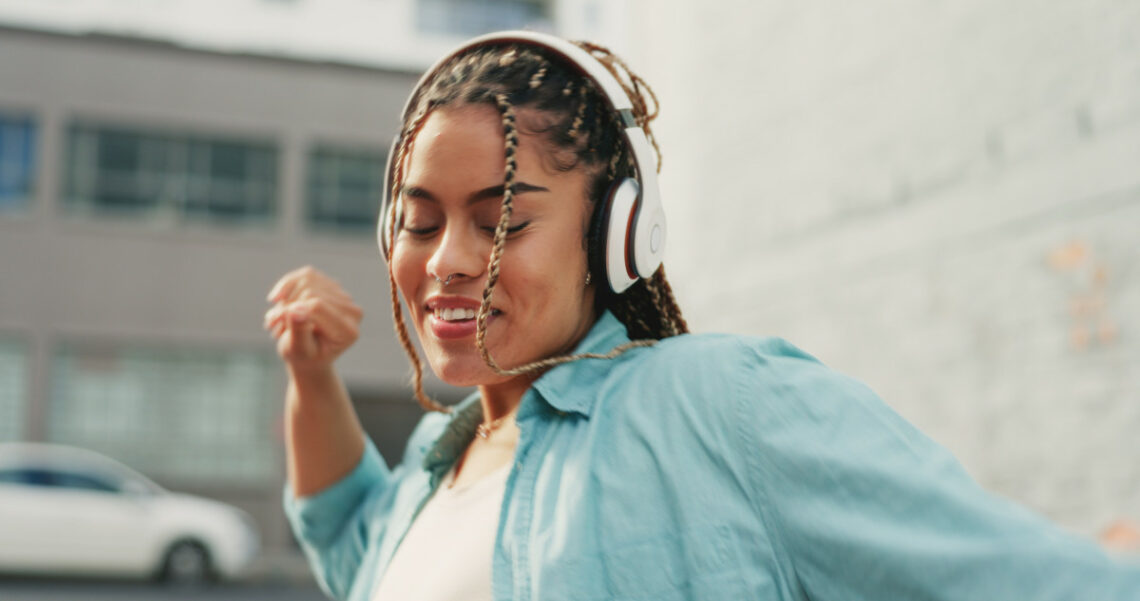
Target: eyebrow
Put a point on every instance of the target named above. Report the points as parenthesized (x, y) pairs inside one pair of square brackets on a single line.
[(476, 197)]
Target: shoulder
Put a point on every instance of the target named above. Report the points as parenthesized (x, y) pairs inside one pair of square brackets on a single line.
[(731, 378), (729, 365), (727, 349)]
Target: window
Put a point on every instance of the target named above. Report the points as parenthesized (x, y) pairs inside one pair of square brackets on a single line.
[(17, 162), (13, 389), (127, 172), (34, 476), (79, 481), (28, 476), (345, 188), (195, 417), (473, 17)]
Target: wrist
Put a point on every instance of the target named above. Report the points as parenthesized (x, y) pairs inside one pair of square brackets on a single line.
[(310, 382), (309, 371)]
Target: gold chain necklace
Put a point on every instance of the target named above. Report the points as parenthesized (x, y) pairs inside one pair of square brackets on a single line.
[(484, 430)]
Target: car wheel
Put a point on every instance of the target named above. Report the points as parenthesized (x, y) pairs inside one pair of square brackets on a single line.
[(187, 563)]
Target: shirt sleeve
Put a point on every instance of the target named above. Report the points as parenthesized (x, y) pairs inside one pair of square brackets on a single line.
[(332, 525), (867, 508)]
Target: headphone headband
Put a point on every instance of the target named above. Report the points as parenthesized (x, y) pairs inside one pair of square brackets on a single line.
[(639, 252), (573, 54)]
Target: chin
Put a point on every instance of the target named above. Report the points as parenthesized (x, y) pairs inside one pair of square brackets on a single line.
[(464, 371)]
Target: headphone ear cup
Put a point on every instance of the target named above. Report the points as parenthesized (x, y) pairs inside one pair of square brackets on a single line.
[(614, 232), (596, 236), (387, 203)]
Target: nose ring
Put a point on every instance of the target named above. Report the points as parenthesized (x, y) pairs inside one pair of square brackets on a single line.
[(443, 282)]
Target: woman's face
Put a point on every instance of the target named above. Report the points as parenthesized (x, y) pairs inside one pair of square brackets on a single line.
[(452, 194)]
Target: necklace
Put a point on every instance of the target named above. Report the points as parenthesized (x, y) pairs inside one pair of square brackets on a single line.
[(484, 430)]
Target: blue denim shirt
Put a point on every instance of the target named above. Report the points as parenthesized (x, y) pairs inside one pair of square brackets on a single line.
[(712, 467)]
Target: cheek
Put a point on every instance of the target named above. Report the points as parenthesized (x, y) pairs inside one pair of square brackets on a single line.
[(544, 279), (406, 270)]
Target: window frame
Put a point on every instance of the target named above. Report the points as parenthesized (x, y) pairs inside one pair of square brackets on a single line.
[(171, 174), (316, 212), (26, 166)]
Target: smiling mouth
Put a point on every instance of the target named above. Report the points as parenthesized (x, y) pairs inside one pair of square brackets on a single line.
[(458, 313)]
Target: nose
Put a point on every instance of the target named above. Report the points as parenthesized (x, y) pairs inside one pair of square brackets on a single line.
[(460, 252)]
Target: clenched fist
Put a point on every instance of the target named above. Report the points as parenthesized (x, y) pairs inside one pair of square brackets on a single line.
[(312, 318)]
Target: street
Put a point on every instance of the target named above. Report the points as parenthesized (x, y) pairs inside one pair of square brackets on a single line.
[(83, 590)]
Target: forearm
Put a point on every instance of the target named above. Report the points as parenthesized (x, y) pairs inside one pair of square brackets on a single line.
[(323, 436)]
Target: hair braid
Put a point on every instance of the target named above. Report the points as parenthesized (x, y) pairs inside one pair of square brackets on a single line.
[(580, 114), (669, 304), (655, 299), (536, 80), (641, 112), (511, 137), (407, 140)]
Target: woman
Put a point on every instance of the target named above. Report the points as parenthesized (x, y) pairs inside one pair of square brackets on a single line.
[(605, 455)]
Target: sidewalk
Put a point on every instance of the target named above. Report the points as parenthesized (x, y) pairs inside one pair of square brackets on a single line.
[(280, 566)]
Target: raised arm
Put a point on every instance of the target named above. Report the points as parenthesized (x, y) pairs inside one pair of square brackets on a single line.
[(868, 508), (314, 320)]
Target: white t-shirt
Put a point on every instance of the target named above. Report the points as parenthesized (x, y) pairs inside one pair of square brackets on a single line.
[(446, 554)]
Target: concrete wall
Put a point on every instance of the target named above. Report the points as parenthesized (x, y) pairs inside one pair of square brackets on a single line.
[(942, 199)]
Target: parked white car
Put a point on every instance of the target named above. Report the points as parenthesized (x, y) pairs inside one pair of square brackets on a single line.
[(65, 510)]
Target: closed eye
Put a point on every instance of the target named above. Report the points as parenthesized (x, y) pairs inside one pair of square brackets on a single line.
[(510, 230), (420, 231)]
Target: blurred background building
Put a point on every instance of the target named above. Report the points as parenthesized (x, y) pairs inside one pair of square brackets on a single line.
[(161, 165)]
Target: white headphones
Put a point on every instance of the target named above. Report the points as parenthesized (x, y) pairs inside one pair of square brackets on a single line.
[(632, 226)]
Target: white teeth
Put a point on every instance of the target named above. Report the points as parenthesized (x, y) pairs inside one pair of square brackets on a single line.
[(455, 314)]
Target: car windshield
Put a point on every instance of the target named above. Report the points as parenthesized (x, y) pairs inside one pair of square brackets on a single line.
[(70, 469)]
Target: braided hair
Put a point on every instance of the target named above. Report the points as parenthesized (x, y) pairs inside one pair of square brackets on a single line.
[(581, 125)]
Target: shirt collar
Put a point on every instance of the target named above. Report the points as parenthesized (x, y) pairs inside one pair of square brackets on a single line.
[(569, 387), (456, 436)]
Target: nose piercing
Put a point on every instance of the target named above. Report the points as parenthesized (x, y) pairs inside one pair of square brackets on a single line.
[(443, 282)]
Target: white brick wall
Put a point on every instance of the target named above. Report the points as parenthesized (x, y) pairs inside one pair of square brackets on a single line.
[(942, 199)]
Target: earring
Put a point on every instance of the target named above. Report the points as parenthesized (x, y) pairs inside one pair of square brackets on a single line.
[(587, 278)]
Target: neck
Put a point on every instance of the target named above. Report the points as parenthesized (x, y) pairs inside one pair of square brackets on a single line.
[(502, 398)]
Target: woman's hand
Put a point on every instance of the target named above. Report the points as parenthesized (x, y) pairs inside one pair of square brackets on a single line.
[(312, 318)]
